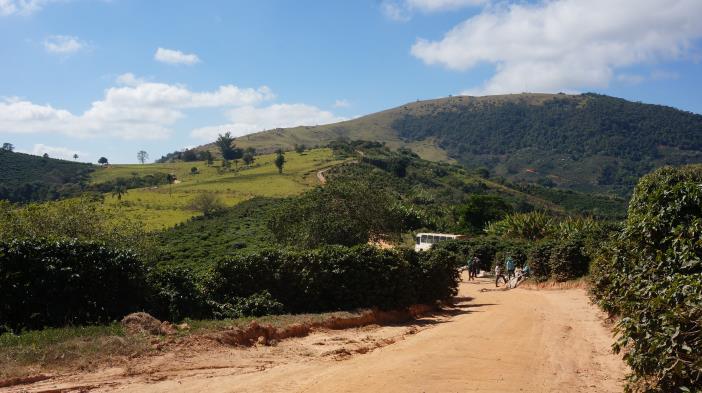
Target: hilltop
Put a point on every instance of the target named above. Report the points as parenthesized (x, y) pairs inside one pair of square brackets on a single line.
[(586, 142), (25, 177)]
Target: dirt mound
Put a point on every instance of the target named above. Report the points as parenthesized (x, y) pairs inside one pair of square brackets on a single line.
[(141, 322)]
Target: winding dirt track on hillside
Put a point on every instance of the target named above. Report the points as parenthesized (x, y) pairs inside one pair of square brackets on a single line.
[(491, 341)]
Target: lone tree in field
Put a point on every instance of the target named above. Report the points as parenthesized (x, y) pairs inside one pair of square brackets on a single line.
[(75, 156), (226, 146), (299, 149), (142, 156), (8, 146), (103, 161), (208, 203), (280, 160), (207, 157), (119, 190), (248, 159)]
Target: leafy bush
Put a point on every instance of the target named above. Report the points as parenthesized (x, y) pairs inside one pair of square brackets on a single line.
[(651, 275), (175, 293), (568, 260), (54, 283), (538, 260), (530, 226), (334, 278)]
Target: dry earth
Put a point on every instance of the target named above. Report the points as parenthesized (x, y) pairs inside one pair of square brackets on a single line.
[(491, 341)]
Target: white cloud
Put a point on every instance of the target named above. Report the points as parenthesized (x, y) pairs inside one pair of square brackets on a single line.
[(22, 7), (172, 56), (342, 103), (249, 119), (63, 44), (129, 79), (138, 111), (402, 10), (565, 44), (442, 5), (54, 152)]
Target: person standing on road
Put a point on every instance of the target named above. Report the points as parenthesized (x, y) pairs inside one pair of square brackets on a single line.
[(498, 274), (476, 266), (509, 266), (469, 267)]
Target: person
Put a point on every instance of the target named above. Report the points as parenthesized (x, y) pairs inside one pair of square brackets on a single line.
[(525, 270), (509, 266), (498, 274), (476, 266), (469, 267)]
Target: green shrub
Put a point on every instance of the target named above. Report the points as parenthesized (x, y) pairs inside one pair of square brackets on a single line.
[(335, 278), (538, 260), (651, 275), (256, 305), (175, 293), (568, 260), (55, 283)]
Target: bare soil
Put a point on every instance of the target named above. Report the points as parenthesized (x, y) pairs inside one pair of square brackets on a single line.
[(489, 341)]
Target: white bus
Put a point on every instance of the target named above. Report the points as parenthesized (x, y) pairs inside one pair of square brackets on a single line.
[(424, 241)]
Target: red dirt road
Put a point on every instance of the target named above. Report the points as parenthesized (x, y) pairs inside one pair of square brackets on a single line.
[(492, 341)]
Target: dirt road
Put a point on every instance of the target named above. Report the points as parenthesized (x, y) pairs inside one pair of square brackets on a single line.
[(492, 341)]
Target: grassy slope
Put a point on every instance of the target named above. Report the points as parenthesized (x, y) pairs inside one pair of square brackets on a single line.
[(527, 164), (166, 205)]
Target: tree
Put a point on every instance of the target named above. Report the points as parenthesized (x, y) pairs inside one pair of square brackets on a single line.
[(342, 212), (45, 155), (226, 146), (171, 178), (189, 155), (142, 156), (103, 161), (8, 147), (280, 160), (194, 170), (299, 149), (208, 203), (207, 157), (75, 156), (479, 210), (248, 158), (119, 190)]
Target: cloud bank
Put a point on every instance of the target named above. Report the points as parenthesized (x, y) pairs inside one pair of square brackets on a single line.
[(565, 45)]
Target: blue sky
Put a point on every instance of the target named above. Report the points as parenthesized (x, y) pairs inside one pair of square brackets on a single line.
[(109, 78)]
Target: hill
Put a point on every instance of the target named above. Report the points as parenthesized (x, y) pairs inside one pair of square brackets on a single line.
[(27, 178), (587, 142)]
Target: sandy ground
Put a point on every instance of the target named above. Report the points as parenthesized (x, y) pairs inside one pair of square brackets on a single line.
[(491, 341)]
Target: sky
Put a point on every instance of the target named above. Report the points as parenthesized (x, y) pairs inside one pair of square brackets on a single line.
[(112, 77)]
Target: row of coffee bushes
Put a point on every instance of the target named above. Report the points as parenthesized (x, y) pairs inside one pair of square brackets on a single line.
[(55, 283), (650, 275), (558, 259)]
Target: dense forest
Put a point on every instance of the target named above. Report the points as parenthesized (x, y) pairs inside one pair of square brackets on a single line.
[(26, 178), (587, 142)]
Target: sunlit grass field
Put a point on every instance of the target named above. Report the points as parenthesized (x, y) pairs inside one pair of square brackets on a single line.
[(167, 205)]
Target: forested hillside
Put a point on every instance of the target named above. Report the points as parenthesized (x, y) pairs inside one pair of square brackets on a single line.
[(26, 178), (587, 142)]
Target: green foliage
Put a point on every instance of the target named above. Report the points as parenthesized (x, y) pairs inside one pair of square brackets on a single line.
[(227, 148), (568, 260), (523, 137), (479, 210), (341, 212), (55, 283), (539, 258), (334, 278), (200, 241), (27, 178), (279, 161), (83, 219), (530, 226), (651, 275), (208, 203), (176, 293)]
